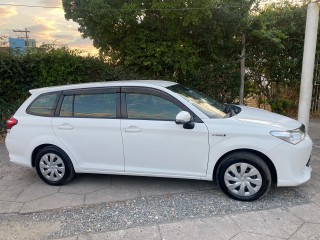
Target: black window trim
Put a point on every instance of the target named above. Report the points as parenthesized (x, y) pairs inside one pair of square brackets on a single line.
[(54, 106), (101, 90), (121, 105), (156, 92), (59, 105)]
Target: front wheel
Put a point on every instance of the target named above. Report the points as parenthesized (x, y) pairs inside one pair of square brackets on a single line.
[(54, 166), (244, 176)]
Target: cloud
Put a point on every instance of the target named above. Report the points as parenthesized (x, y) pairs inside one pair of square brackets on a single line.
[(56, 12), (48, 30), (84, 45), (64, 37), (44, 21), (6, 12), (51, 3), (81, 41), (43, 29)]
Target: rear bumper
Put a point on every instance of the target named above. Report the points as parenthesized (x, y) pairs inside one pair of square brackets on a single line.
[(17, 151)]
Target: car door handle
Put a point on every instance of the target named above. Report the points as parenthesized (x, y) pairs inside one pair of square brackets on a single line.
[(132, 129), (65, 126)]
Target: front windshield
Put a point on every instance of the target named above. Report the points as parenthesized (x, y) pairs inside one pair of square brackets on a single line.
[(204, 103)]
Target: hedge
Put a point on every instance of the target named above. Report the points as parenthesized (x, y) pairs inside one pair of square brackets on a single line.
[(45, 67)]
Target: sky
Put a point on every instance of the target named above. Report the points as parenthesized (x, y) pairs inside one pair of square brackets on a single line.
[(46, 25)]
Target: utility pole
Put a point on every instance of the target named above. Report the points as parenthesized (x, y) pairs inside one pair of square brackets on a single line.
[(25, 35), (309, 52), (243, 66)]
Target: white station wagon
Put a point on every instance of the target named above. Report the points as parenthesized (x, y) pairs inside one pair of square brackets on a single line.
[(159, 129)]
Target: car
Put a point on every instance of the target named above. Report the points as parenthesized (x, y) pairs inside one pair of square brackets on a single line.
[(159, 129)]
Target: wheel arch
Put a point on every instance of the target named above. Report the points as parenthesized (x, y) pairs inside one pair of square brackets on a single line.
[(38, 148), (52, 176), (35, 152), (265, 158)]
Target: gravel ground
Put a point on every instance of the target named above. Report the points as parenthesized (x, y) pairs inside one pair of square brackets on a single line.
[(151, 210)]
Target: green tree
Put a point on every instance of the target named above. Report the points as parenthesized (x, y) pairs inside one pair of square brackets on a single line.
[(3, 41), (275, 50), (199, 43), (152, 37), (195, 42)]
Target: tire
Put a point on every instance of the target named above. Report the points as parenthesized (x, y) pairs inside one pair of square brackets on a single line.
[(243, 176), (54, 166)]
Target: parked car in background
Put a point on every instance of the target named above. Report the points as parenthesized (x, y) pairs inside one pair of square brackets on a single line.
[(158, 129)]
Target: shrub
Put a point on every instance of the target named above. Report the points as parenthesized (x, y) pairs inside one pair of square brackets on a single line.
[(47, 66)]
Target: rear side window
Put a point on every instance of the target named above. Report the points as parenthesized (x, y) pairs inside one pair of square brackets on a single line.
[(44, 105), (96, 105)]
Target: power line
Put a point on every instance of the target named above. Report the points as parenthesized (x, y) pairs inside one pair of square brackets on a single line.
[(111, 9), (155, 9), (23, 5)]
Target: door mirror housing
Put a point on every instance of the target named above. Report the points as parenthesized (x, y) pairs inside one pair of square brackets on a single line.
[(183, 117)]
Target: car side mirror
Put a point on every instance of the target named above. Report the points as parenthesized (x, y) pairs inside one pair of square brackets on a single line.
[(185, 118)]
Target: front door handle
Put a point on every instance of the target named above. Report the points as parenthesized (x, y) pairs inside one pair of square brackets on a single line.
[(65, 126), (133, 129)]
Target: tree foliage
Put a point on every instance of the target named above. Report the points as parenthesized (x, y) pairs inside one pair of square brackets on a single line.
[(3, 41), (188, 41), (199, 42), (275, 46)]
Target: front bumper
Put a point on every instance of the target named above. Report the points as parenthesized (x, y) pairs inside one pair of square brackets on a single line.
[(292, 162)]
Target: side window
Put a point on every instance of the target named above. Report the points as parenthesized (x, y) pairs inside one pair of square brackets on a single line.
[(100, 105), (145, 106), (66, 109), (43, 105)]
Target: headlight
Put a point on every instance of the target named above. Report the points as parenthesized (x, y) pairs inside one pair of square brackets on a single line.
[(292, 136)]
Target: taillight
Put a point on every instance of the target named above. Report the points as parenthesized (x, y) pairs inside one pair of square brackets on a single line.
[(10, 123)]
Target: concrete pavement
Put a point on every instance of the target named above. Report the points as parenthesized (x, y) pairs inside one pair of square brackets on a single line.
[(120, 207)]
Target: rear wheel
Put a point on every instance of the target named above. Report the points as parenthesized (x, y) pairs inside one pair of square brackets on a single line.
[(244, 176), (54, 166)]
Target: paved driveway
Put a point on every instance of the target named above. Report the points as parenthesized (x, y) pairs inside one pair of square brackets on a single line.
[(120, 207)]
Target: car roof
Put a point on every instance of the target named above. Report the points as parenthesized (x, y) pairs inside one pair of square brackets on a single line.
[(139, 83)]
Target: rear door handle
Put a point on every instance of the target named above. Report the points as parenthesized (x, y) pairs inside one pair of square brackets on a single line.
[(132, 129), (65, 126)]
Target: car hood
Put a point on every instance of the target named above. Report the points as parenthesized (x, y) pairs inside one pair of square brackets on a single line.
[(263, 117)]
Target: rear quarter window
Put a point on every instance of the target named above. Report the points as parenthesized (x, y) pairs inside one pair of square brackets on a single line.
[(44, 105)]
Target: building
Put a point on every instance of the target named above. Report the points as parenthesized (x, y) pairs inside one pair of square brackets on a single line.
[(21, 44), (17, 44)]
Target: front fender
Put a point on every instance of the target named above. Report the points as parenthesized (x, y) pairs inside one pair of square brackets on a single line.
[(219, 146)]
